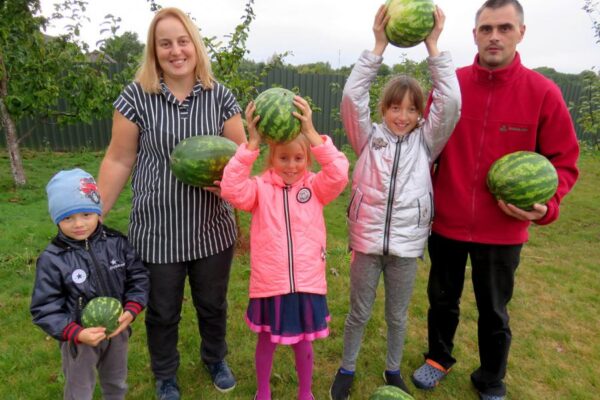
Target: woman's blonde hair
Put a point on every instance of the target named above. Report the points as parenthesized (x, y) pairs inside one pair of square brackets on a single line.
[(149, 72), (302, 141), (396, 88)]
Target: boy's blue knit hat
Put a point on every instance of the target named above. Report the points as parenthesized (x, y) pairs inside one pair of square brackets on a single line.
[(70, 192)]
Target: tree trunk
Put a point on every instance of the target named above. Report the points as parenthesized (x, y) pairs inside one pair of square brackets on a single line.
[(12, 142), (12, 146)]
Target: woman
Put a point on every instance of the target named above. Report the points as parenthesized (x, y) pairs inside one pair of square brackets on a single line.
[(180, 231)]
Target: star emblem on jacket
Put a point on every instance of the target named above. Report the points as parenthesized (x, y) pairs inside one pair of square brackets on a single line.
[(79, 276), (379, 143)]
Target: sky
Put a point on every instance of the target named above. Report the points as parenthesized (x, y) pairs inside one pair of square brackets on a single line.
[(558, 33)]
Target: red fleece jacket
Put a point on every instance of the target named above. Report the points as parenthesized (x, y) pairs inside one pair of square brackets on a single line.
[(504, 110)]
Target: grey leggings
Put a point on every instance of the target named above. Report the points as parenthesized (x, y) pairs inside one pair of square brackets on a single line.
[(398, 278)]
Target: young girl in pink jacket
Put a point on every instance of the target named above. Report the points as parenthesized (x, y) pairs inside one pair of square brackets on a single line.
[(287, 241)]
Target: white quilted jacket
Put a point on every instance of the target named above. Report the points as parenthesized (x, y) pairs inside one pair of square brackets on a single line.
[(391, 207)]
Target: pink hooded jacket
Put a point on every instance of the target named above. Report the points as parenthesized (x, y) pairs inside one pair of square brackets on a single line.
[(287, 230)]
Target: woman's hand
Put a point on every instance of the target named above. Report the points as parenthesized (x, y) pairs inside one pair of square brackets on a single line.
[(216, 189)]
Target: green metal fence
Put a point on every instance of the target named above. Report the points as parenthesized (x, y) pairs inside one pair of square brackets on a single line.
[(324, 90)]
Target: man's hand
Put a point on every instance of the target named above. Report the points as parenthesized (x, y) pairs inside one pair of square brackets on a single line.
[(538, 212)]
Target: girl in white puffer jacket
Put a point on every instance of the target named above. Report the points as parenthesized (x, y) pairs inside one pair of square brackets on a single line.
[(391, 207)]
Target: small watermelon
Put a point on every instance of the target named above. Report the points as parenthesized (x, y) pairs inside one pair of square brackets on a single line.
[(200, 160), (410, 22), (522, 179), (388, 392), (102, 311), (277, 123)]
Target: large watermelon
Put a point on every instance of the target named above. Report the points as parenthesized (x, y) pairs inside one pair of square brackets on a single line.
[(522, 178), (410, 21), (277, 123), (200, 160), (102, 311), (388, 392)]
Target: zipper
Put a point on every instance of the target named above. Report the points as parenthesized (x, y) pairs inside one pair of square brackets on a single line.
[(104, 289), (388, 214), (478, 164), (431, 211), (79, 309), (350, 204), (288, 230)]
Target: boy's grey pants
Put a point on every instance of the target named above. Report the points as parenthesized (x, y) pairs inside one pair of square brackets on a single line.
[(109, 358), (399, 278)]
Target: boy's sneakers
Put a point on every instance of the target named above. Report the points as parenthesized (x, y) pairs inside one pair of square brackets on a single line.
[(340, 389), (429, 375), (221, 376), (167, 389), (394, 378)]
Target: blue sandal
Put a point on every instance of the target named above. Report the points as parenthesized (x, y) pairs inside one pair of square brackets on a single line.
[(429, 375)]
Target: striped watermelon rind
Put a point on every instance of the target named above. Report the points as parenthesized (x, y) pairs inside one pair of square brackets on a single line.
[(388, 392), (277, 123), (522, 178), (102, 311), (410, 22), (200, 160)]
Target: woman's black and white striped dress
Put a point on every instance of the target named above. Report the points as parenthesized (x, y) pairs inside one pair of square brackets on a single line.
[(171, 221)]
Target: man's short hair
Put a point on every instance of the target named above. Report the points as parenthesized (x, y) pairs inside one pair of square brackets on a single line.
[(495, 4)]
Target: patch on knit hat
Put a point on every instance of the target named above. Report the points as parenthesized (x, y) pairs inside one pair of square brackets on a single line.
[(71, 192)]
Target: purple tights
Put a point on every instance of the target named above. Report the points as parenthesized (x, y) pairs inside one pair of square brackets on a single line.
[(263, 357)]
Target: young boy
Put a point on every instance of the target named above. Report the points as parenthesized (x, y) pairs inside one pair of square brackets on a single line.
[(86, 260)]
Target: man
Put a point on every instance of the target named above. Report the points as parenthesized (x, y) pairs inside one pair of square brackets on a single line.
[(505, 107)]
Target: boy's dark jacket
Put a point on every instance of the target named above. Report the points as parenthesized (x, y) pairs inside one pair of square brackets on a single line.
[(69, 273)]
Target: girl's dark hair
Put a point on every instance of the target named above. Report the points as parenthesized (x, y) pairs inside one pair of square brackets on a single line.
[(396, 88)]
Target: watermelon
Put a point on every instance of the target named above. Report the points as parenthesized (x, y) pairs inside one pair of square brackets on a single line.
[(388, 392), (277, 123), (410, 22), (522, 179), (102, 311), (200, 160)]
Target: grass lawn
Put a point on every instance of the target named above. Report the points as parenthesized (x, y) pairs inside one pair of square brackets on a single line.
[(555, 311)]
